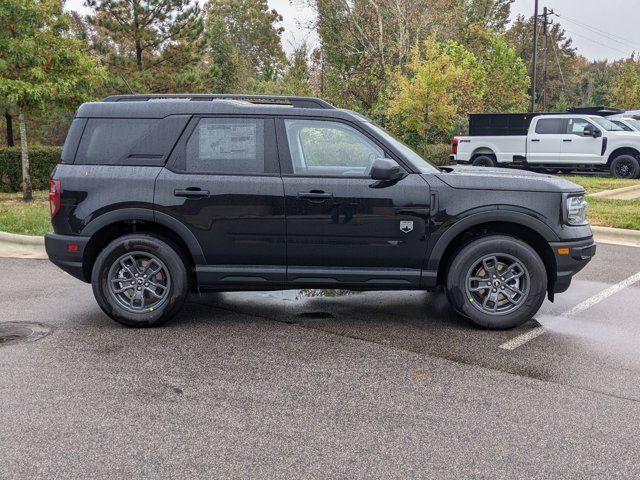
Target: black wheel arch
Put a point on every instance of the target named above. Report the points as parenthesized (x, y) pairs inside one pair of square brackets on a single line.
[(516, 224), (111, 225), (623, 151)]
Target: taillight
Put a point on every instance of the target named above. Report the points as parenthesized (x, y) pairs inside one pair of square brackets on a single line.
[(454, 146), (54, 197)]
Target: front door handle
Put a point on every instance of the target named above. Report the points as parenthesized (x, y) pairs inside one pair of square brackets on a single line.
[(567, 140), (191, 192), (535, 139), (315, 196)]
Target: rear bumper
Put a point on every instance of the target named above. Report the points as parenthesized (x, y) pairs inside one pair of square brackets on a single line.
[(68, 259), (568, 264)]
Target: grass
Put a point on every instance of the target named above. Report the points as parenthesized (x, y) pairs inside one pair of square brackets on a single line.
[(594, 184), (614, 213), (31, 218)]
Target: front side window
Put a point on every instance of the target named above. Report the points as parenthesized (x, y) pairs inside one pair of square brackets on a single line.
[(576, 126), (608, 125), (550, 126), (622, 125), (226, 146), (326, 148)]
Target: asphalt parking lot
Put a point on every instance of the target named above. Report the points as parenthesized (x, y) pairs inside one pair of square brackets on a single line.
[(290, 385)]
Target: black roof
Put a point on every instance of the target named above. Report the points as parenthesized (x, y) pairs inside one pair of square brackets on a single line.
[(159, 106)]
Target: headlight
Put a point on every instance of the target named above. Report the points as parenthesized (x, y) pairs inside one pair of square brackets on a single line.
[(575, 210)]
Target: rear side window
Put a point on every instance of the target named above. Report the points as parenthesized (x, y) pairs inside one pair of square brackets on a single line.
[(71, 142), (107, 141), (550, 126), (227, 146)]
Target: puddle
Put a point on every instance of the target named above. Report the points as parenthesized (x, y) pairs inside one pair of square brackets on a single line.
[(14, 332)]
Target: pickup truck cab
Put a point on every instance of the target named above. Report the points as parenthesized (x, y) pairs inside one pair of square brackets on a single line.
[(160, 196), (563, 142)]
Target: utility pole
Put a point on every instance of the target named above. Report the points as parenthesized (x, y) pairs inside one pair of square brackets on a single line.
[(535, 62), (545, 47)]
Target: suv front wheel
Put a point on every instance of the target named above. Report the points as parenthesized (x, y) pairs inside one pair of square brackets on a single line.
[(140, 280), (497, 282)]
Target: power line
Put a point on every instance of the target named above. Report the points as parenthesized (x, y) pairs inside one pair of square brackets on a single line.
[(599, 43), (616, 38)]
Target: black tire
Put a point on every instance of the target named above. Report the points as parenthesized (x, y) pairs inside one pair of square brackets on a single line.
[(625, 166), (122, 264), (518, 310), (484, 161)]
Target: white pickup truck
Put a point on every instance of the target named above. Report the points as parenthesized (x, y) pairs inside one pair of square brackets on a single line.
[(564, 142)]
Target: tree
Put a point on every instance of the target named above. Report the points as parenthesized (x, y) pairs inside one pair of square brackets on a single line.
[(41, 64), (250, 29), (490, 14), (153, 44), (506, 77), (295, 81), (625, 92), (445, 81)]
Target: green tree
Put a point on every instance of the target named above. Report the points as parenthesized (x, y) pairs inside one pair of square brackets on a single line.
[(251, 36), (490, 14), (295, 81), (625, 92), (445, 81), (155, 45), (41, 64)]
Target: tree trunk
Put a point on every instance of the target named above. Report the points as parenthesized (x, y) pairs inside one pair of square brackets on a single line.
[(27, 194), (9, 119)]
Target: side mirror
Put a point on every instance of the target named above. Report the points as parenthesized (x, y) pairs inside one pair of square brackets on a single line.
[(591, 131), (386, 170)]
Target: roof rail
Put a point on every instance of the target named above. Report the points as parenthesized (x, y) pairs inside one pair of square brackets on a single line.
[(296, 102)]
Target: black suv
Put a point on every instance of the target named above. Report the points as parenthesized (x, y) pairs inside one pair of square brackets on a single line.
[(159, 196)]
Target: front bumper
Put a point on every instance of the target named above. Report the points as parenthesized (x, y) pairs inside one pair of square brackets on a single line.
[(571, 257), (67, 252)]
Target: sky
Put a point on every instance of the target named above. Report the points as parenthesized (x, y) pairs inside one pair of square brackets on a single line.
[(599, 29)]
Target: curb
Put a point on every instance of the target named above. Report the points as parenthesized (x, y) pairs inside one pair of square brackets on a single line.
[(28, 246), (616, 236), (619, 193), (22, 246)]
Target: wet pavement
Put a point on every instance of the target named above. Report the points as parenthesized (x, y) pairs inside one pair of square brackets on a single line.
[(292, 385)]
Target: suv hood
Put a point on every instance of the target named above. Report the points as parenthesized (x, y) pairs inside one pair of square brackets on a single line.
[(483, 178)]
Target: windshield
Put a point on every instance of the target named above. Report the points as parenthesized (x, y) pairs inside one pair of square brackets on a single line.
[(607, 124), (409, 155)]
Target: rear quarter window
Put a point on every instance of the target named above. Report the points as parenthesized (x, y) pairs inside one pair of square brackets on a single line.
[(108, 141)]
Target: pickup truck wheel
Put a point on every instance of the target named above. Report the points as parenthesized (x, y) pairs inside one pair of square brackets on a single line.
[(625, 166), (484, 161), (497, 282), (140, 280)]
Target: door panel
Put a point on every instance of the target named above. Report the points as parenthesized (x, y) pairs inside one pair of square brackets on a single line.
[(544, 144), (578, 148), (238, 219), (343, 228)]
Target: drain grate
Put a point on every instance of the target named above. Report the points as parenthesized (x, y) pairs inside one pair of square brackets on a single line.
[(315, 315), (11, 332)]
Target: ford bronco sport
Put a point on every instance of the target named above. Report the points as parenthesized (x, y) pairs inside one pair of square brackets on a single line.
[(159, 196)]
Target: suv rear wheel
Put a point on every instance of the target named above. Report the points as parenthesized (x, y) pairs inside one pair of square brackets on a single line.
[(140, 280), (497, 282)]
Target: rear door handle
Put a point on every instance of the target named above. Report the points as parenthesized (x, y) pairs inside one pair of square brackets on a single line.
[(567, 140), (191, 192), (535, 139), (315, 195)]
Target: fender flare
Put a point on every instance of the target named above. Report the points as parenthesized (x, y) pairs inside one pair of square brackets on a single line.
[(502, 216), (148, 215)]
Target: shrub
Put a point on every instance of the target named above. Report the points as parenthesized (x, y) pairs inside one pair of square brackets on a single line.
[(437, 154), (42, 160)]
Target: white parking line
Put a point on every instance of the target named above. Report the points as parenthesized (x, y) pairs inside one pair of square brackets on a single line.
[(598, 297), (522, 339), (581, 307)]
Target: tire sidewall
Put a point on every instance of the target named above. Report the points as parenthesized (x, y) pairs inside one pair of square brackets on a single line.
[(635, 173), (174, 263), (471, 254)]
